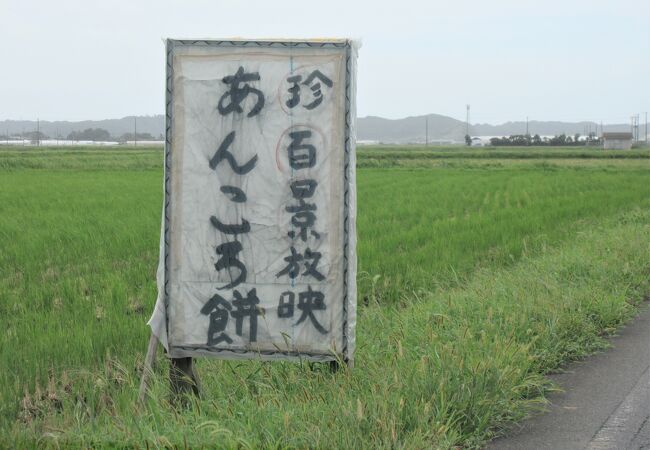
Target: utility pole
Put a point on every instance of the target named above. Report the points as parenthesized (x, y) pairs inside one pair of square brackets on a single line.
[(646, 128), (426, 131), (38, 132), (526, 125), (467, 122), (635, 127), (135, 131)]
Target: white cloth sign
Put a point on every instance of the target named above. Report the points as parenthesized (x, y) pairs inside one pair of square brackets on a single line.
[(258, 256)]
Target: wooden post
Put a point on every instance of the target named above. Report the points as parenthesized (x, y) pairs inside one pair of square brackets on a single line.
[(183, 378), (148, 366), (335, 365)]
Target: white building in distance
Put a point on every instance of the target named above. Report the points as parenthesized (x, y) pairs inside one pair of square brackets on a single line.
[(617, 140)]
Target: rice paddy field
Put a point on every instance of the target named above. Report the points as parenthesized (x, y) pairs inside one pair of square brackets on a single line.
[(480, 271)]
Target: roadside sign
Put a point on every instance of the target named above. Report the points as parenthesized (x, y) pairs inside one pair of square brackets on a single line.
[(258, 255)]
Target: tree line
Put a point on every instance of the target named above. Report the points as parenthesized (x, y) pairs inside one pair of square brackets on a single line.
[(524, 140), (89, 134)]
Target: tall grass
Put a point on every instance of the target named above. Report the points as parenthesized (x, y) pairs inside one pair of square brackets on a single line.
[(452, 369)]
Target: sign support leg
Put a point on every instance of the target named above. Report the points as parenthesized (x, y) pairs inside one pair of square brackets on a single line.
[(148, 366), (183, 377), (335, 366)]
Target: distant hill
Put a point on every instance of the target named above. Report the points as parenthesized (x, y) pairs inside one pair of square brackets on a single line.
[(371, 128), (410, 129), (443, 128), (154, 125)]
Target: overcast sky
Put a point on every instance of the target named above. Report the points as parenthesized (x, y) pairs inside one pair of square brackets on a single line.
[(567, 60)]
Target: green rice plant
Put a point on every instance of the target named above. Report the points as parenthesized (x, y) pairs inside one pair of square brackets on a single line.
[(455, 368), (474, 282)]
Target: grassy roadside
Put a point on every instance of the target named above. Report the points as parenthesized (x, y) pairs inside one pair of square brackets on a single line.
[(449, 370)]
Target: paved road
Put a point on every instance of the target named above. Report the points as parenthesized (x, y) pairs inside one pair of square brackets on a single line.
[(605, 403)]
